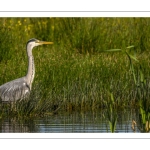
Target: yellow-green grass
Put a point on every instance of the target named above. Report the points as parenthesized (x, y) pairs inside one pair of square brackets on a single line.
[(74, 73)]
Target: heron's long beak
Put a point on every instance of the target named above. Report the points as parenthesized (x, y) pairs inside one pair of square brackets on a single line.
[(44, 42)]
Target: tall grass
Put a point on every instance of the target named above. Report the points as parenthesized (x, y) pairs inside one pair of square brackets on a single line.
[(74, 73)]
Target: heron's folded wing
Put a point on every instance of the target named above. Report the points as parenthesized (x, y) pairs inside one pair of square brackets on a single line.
[(14, 90)]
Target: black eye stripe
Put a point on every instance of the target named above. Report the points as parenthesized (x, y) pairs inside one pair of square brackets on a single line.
[(32, 40)]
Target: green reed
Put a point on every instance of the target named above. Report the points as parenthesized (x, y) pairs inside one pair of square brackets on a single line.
[(141, 90), (75, 73), (111, 113)]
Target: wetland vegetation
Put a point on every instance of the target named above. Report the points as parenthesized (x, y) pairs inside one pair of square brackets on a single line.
[(94, 64)]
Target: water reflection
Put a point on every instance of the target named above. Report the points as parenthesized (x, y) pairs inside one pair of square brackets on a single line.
[(75, 122), (88, 122), (14, 125)]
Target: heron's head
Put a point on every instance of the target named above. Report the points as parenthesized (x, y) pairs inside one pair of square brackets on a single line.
[(34, 42)]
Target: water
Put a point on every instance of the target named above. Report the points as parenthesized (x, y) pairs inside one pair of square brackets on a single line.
[(88, 122)]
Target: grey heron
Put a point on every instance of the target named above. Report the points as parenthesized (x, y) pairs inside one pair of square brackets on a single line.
[(21, 87)]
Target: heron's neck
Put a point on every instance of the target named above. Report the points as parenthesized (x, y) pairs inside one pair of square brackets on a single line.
[(31, 69)]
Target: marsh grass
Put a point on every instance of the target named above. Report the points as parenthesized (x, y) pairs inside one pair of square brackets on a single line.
[(142, 90), (111, 113), (75, 74)]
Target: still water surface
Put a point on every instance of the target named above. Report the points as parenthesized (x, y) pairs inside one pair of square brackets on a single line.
[(87, 122)]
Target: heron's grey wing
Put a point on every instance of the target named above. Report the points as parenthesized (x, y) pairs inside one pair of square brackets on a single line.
[(14, 90)]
